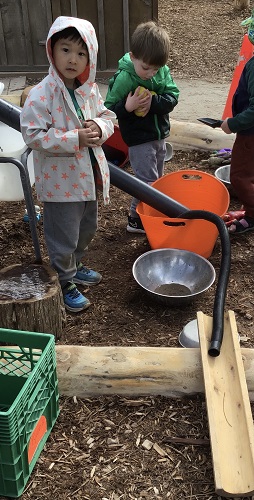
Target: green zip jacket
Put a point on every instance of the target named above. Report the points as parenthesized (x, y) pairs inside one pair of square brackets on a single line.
[(155, 125)]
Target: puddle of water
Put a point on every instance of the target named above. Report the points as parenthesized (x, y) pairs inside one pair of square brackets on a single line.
[(24, 283)]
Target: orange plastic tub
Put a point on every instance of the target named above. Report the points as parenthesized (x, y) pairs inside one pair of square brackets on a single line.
[(196, 190)]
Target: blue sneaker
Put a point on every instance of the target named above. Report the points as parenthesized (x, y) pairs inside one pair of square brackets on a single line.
[(85, 276), (37, 214), (74, 300)]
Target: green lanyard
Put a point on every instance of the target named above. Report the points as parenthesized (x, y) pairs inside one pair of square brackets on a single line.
[(76, 104)]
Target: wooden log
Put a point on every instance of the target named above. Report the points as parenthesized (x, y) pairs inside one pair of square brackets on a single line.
[(187, 135), (25, 94), (31, 299), (87, 371), (12, 98)]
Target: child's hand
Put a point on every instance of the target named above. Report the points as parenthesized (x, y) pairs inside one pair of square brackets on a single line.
[(89, 135), (225, 127), (93, 126), (140, 101)]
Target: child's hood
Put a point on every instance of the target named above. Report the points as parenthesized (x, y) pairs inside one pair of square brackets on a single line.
[(87, 33), (125, 63)]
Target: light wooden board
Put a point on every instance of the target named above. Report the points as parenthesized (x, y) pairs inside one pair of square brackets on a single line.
[(228, 409)]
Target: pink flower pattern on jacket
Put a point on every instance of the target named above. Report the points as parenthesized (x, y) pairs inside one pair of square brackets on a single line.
[(49, 125)]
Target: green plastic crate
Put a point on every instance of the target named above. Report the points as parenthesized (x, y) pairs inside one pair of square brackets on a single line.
[(29, 404)]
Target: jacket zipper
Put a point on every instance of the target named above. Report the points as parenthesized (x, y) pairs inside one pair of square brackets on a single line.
[(157, 127)]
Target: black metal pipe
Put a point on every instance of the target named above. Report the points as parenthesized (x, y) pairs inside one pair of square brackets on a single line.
[(26, 185), (10, 114), (144, 192), (221, 290)]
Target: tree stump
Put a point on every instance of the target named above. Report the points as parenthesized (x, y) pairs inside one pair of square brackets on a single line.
[(31, 299), (241, 4)]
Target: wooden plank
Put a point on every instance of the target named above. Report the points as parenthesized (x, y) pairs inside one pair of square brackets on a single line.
[(101, 37), (14, 32), (126, 26), (56, 8), (26, 24), (114, 32), (74, 12), (66, 7), (48, 12), (174, 372), (3, 55), (155, 10), (229, 411), (38, 27)]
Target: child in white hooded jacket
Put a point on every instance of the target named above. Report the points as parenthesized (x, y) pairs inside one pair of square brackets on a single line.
[(64, 121)]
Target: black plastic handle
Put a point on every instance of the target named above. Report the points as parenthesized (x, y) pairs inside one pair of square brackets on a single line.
[(211, 122)]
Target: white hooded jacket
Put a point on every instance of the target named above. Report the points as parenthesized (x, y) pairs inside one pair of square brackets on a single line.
[(49, 125)]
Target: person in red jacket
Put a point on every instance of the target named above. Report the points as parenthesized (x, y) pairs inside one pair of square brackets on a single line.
[(242, 156)]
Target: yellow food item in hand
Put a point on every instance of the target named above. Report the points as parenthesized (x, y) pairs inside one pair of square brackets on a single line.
[(141, 90)]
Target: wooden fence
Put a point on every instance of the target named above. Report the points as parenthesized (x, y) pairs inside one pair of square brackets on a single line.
[(24, 26)]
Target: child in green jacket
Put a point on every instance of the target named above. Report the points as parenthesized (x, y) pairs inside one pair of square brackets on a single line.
[(142, 93)]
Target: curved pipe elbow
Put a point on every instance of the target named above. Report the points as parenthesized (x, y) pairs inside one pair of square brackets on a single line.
[(221, 290)]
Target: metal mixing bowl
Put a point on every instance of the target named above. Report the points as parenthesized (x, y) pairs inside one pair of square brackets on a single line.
[(169, 151), (172, 276), (223, 175), (189, 335)]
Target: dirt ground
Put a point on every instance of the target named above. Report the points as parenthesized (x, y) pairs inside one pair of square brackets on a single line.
[(95, 451)]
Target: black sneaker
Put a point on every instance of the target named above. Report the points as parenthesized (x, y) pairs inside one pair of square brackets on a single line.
[(135, 225)]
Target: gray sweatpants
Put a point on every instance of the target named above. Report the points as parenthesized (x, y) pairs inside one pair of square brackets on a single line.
[(68, 230), (147, 163)]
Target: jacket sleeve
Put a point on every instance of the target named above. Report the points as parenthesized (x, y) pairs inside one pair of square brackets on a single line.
[(167, 95), (38, 130), (119, 88), (162, 104), (103, 118), (245, 119)]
